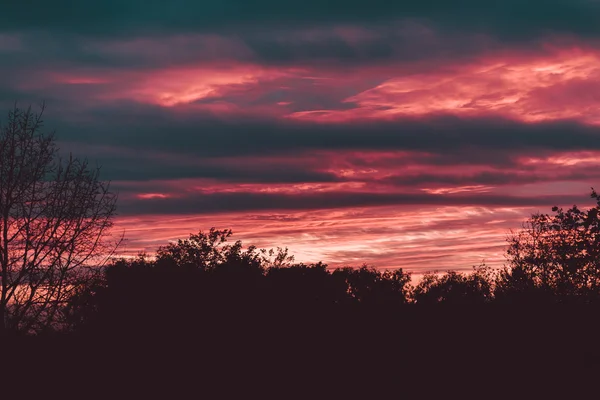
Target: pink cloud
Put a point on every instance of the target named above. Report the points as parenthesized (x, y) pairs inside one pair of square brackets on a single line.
[(153, 196), (186, 85), (560, 82), (530, 89)]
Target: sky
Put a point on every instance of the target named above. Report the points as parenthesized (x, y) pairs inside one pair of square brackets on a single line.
[(413, 133)]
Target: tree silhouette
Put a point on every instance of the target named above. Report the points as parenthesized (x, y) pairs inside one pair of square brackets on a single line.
[(55, 215), (556, 255), (372, 287), (189, 281), (208, 250), (203, 250)]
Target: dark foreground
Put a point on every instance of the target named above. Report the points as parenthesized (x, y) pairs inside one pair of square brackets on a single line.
[(483, 352)]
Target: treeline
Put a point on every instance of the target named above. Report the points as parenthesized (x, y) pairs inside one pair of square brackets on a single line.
[(241, 320), (204, 277), (553, 261), (258, 316)]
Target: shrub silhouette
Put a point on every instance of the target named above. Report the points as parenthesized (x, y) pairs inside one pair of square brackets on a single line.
[(455, 288), (371, 287)]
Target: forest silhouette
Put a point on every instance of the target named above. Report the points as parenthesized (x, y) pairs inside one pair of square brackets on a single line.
[(221, 310), (207, 312)]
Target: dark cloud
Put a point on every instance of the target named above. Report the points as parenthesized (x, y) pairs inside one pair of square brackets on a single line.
[(384, 42), (493, 178), (146, 127), (53, 50), (119, 164), (507, 18), (136, 142), (327, 47), (233, 202), (141, 170)]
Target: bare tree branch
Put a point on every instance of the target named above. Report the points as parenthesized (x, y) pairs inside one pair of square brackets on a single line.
[(55, 220)]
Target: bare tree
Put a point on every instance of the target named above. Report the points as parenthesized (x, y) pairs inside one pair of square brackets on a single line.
[(55, 216)]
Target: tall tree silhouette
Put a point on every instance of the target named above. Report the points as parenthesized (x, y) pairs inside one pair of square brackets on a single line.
[(55, 215)]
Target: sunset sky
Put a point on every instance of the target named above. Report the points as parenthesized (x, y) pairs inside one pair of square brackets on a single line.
[(408, 133)]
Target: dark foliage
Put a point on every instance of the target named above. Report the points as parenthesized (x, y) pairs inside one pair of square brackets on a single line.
[(208, 311)]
